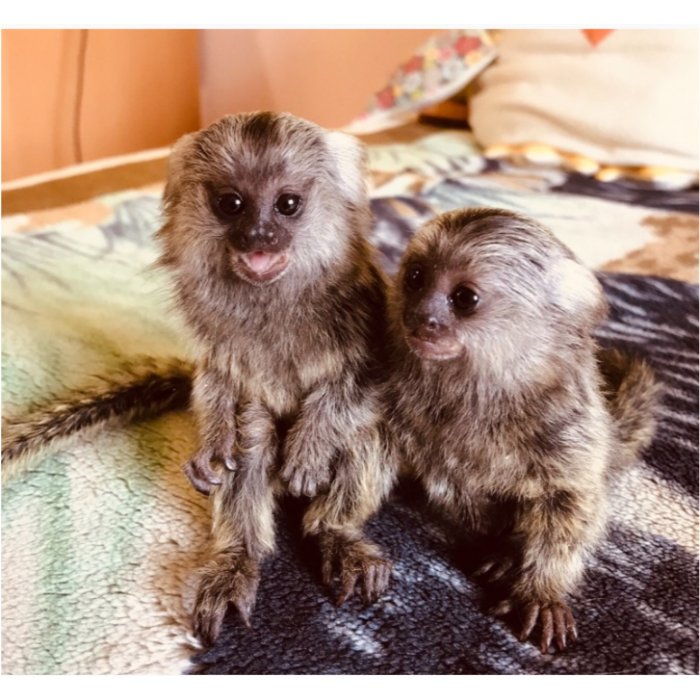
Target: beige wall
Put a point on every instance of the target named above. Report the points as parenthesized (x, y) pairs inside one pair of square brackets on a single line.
[(326, 75), (144, 88), (140, 91)]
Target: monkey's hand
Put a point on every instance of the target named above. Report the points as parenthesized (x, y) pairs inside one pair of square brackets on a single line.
[(225, 579), (307, 462), (199, 467), (352, 563), (555, 618), (496, 568)]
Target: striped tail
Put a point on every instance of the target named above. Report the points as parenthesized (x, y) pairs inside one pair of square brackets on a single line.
[(633, 395), (143, 389)]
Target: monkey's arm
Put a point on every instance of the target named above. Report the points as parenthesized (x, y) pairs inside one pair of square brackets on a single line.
[(242, 527), (556, 530), (214, 399), (366, 474), (330, 419)]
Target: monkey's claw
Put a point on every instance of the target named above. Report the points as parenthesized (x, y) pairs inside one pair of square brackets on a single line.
[(219, 586), (495, 568), (304, 480), (556, 621), (356, 564), (200, 472)]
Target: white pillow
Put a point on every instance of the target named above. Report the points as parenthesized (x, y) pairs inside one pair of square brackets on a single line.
[(621, 97)]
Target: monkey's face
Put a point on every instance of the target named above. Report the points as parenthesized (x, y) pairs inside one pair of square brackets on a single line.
[(494, 286), (257, 195), (258, 225), (437, 301)]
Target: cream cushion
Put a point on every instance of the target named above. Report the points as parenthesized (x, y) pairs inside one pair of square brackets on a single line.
[(624, 97)]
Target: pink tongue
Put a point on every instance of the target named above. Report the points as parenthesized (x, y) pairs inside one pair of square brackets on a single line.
[(260, 262)]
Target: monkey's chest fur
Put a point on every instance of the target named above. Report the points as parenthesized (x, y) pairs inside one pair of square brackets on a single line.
[(278, 345), (472, 447)]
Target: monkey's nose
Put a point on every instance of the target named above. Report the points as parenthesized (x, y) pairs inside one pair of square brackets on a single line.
[(268, 236), (430, 328)]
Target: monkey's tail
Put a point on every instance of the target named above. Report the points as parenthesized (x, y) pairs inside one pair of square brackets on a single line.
[(633, 394), (142, 389)]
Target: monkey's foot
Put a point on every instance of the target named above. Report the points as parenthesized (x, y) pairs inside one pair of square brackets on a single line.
[(222, 581), (200, 472), (304, 479), (353, 563), (556, 621)]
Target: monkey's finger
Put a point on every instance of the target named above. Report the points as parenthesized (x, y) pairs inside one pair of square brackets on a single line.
[(296, 484), (502, 608), (485, 568), (230, 463), (327, 571), (245, 610), (204, 487), (559, 628), (349, 580), (570, 625), (502, 569), (385, 571), (547, 629), (207, 622), (310, 487), (532, 612), (368, 585)]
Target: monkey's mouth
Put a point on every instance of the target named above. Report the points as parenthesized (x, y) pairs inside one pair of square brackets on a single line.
[(433, 348), (259, 267)]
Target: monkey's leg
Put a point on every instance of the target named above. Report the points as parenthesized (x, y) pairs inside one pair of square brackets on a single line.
[(364, 477), (214, 402), (557, 531), (329, 417), (242, 527)]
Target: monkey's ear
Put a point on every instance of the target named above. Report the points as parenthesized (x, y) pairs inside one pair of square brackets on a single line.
[(176, 167), (578, 292), (351, 163)]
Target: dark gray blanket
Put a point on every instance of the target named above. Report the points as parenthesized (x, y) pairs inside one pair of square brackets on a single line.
[(637, 610)]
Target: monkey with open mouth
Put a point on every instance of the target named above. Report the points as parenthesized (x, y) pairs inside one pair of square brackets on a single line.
[(504, 407), (265, 229)]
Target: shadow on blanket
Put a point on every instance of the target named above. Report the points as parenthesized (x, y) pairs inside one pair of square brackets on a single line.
[(637, 610)]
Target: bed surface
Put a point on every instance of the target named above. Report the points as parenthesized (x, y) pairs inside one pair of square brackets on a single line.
[(100, 540)]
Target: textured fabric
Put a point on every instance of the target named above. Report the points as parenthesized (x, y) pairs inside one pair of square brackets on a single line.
[(99, 540)]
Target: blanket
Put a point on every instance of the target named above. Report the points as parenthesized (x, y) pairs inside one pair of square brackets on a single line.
[(99, 540)]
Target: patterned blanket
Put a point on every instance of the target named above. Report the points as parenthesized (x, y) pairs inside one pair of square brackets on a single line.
[(99, 541)]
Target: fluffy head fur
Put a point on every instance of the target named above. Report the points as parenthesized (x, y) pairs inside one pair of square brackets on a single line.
[(261, 157), (530, 293)]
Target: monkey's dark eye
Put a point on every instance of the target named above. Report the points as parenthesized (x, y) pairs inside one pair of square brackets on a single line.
[(415, 279), (288, 204), (464, 299), (230, 204)]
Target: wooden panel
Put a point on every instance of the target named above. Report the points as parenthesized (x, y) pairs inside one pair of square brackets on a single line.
[(141, 90)]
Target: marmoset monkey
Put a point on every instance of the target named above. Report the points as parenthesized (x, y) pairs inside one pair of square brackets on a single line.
[(499, 406), (265, 229)]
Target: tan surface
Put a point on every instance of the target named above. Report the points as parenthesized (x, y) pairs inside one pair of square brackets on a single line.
[(140, 92), (325, 75)]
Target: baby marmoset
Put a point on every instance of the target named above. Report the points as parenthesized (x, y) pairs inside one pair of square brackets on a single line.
[(497, 400), (265, 233), (265, 229)]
